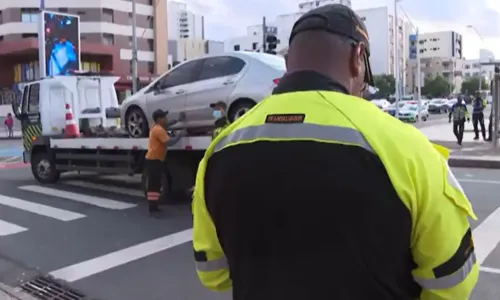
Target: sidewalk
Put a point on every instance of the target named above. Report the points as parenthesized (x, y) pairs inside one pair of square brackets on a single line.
[(17, 135), (472, 154)]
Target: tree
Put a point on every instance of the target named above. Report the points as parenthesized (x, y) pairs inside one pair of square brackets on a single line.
[(386, 85), (436, 87), (471, 84)]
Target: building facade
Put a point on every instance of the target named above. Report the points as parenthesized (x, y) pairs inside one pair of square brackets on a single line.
[(184, 24), (444, 44), (486, 55), (106, 37), (450, 68), (281, 27), (473, 68)]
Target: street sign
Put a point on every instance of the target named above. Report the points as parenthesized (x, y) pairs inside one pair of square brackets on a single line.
[(271, 30)]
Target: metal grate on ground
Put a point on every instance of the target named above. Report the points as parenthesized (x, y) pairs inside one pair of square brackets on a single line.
[(46, 288)]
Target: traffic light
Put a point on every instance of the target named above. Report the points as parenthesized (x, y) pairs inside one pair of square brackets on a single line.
[(272, 43)]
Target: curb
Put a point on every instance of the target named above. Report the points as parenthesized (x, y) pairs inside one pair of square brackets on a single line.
[(473, 163), (15, 293)]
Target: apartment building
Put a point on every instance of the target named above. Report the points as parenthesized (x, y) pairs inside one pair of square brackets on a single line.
[(184, 24), (106, 37), (444, 44), (450, 68)]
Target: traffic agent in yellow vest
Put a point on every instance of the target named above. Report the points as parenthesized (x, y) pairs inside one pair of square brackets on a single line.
[(416, 241)]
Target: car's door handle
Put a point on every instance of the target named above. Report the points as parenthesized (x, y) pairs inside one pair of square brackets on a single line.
[(180, 92), (228, 82)]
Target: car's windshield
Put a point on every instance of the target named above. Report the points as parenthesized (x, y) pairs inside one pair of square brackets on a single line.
[(274, 61), (411, 107)]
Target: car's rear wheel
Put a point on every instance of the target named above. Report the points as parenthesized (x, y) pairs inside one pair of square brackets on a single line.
[(136, 123), (240, 109)]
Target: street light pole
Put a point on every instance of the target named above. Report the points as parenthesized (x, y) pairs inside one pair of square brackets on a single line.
[(134, 49), (396, 57)]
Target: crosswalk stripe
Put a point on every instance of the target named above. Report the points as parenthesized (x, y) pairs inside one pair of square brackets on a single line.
[(114, 259), (7, 228), (105, 188), (40, 209), (92, 200)]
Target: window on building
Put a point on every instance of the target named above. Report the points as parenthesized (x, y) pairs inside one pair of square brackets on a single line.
[(63, 10), (81, 13), (108, 39), (129, 18), (29, 15), (254, 46), (1, 18), (130, 41), (29, 35), (151, 45), (151, 22), (151, 67), (363, 18), (108, 15), (236, 47)]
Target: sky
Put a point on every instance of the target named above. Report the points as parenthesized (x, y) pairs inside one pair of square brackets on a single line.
[(229, 18)]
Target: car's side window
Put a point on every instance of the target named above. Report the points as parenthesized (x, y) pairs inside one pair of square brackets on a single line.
[(214, 67), (182, 75)]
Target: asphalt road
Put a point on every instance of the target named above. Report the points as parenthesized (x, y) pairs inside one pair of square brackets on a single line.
[(109, 249)]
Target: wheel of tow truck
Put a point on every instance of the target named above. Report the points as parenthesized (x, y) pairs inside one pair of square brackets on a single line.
[(44, 169), (240, 109), (136, 123)]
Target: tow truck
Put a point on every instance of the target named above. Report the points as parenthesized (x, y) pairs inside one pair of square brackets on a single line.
[(102, 147)]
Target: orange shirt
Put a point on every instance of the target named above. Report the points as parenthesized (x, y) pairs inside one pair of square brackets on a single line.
[(157, 149)]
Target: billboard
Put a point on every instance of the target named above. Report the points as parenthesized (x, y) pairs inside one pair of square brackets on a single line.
[(412, 46), (59, 43)]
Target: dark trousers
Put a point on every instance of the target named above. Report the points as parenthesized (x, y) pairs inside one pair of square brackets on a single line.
[(478, 119), (458, 130), (490, 130), (154, 169)]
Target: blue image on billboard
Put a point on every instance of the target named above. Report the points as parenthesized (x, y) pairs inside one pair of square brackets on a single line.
[(412, 46), (62, 44)]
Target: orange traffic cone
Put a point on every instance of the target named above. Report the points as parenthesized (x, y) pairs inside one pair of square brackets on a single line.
[(71, 129)]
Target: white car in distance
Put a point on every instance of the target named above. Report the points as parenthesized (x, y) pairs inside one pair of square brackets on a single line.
[(409, 113), (383, 104)]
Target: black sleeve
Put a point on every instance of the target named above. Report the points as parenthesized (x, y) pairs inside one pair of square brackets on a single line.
[(333, 205)]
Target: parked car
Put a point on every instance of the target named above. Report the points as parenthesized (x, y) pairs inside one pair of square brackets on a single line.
[(392, 108), (383, 104), (409, 113), (241, 79), (450, 103), (438, 106)]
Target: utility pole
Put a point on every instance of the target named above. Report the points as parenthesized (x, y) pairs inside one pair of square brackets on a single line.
[(396, 57), (264, 30), (134, 48), (495, 110), (419, 75)]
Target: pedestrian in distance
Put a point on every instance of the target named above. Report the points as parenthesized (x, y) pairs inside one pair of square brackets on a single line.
[(309, 196), (219, 113), (158, 143), (459, 113), (478, 106), (9, 125)]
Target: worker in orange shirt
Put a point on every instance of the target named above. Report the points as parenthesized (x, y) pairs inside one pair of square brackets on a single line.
[(158, 143)]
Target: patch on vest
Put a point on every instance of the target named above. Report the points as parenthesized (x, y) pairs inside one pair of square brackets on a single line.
[(285, 118)]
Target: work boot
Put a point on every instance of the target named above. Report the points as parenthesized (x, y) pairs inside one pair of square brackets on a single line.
[(476, 138)]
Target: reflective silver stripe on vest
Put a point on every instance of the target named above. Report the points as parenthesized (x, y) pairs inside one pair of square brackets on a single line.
[(450, 280), (212, 265), (302, 131)]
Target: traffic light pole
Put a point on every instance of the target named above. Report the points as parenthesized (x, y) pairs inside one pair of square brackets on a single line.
[(264, 31)]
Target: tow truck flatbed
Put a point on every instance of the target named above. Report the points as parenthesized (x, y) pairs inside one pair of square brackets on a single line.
[(123, 143)]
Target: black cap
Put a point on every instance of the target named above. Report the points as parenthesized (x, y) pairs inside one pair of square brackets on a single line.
[(219, 104), (158, 114), (340, 20)]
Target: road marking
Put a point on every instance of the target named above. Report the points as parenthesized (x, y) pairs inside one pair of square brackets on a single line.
[(469, 175), (489, 270), (479, 181), (106, 188), (11, 159), (92, 200), (7, 228), (40, 209), (111, 260), (486, 237)]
